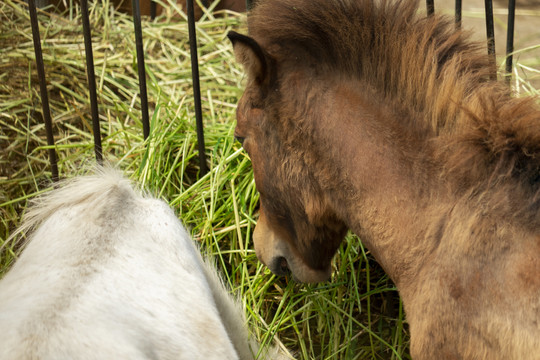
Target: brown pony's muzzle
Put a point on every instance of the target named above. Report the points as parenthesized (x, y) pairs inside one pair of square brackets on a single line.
[(281, 258)]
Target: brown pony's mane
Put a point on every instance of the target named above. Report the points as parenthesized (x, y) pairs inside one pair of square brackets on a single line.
[(417, 63)]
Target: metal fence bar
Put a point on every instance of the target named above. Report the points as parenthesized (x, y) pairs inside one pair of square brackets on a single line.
[(490, 32), (196, 86), (141, 67), (153, 9), (91, 80), (458, 14), (510, 38), (43, 88), (195, 68), (430, 7)]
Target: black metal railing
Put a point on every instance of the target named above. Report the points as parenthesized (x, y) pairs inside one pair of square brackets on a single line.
[(91, 78), (140, 66), (43, 88), (196, 85), (490, 31), (195, 69), (510, 38)]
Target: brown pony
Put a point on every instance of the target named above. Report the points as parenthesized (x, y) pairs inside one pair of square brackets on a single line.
[(363, 115)]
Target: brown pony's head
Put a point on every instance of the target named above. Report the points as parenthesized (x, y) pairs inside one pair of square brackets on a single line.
[(297, 229), (345, 95)]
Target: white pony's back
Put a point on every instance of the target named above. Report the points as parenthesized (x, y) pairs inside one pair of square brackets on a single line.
[(110, 274)]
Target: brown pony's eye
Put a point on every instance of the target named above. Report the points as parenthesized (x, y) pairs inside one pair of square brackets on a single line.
[(240, 139)]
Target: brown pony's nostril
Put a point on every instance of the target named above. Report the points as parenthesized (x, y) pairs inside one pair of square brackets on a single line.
[(283, 265), (280, 266)]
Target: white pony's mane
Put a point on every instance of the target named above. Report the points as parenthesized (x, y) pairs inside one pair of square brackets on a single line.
[(92, 190)]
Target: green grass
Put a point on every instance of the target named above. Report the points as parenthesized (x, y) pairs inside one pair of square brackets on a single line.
[(356, 315)]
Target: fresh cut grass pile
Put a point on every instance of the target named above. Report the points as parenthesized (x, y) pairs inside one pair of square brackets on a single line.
[(356, 315)]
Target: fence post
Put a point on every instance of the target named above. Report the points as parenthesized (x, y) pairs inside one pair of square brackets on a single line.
[(91, 80), (196, 86), (510, 39), (153, 9), (490, 32), (430, 6), (458, 14), (43, 88), (141, 67)]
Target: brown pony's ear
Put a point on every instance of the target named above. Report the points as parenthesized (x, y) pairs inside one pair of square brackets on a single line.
[(249, 53)]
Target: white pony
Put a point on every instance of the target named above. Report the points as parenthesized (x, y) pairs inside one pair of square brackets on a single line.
[(110, 274)]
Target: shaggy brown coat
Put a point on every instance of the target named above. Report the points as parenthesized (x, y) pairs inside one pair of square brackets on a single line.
[(363, 115)]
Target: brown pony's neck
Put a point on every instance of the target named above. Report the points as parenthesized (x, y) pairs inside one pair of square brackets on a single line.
[(373, 155), (399, 199)]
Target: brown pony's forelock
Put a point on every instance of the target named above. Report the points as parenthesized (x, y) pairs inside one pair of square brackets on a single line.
[(420, 64)]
